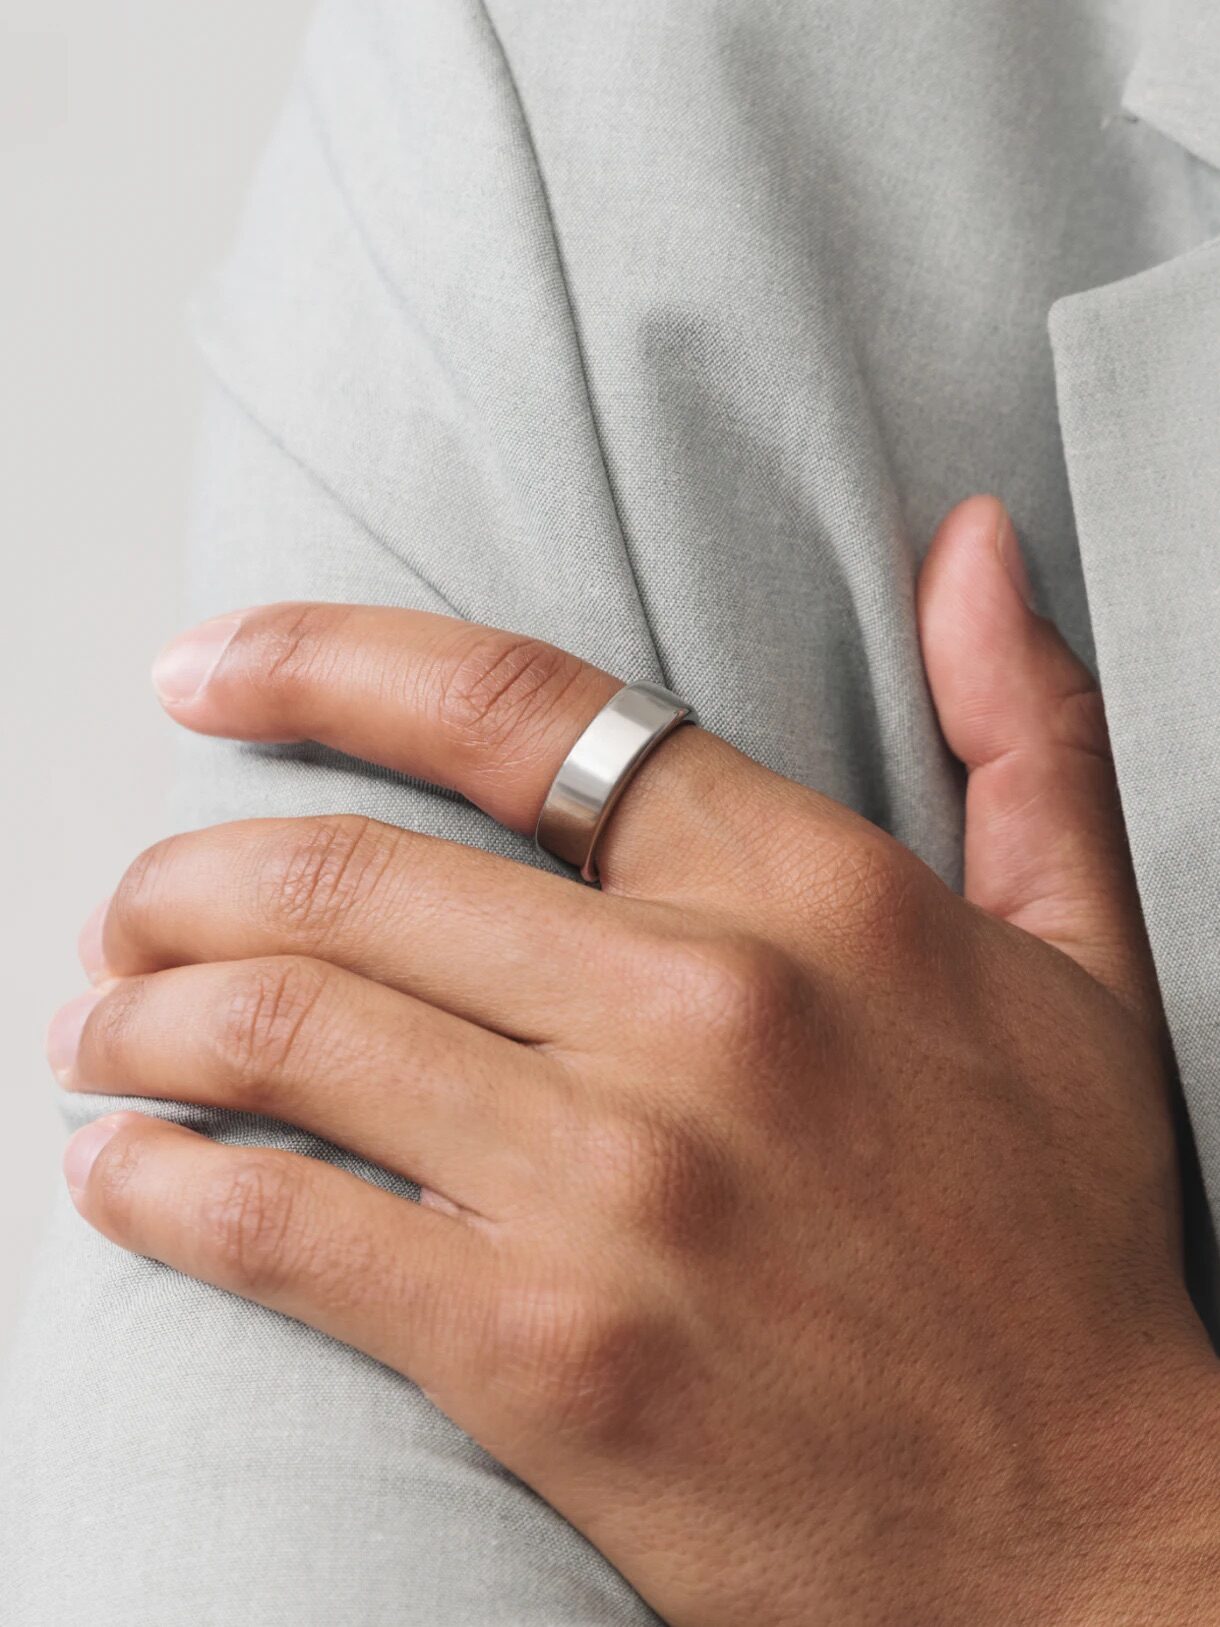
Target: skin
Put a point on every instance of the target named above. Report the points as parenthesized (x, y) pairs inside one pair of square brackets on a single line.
[(807, 1234)]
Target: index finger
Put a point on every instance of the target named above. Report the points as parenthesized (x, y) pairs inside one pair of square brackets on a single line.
[(486, 713)]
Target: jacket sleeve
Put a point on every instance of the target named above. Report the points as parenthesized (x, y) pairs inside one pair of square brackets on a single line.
[(379, 427)]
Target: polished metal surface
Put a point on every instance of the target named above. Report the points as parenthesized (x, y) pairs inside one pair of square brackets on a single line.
[(599, 767)]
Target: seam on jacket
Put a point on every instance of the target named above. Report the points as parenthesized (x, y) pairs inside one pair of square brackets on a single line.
[(578, 343), (216, 372)]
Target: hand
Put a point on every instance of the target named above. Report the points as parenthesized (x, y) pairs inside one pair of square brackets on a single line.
[(805, 1233)]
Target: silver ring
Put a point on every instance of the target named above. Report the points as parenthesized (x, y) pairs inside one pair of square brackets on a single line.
[(598, 769)]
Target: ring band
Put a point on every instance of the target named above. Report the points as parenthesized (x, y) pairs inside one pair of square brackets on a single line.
[(598, 769)]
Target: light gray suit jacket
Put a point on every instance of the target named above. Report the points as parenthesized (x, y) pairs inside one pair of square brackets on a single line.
[(666, 331)]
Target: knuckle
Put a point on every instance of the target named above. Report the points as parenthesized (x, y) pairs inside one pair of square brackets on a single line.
[(296, 642), (875, 894), (322, 869), (739, 992), (503, 688), (663, 1179), (249, 1224), (265, 1014), (573, 1358)]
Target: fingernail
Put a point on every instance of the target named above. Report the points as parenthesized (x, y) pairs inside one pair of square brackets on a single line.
[(89, 944), (1009, 550), (80, 1154), (183, 668), (64, 1031)]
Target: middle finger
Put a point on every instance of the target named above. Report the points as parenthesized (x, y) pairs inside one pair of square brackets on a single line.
[(502, 944)]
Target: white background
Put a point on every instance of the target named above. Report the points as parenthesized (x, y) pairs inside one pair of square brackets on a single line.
[(127, 131)]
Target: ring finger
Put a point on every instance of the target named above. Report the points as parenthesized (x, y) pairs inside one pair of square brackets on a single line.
[(492, 715)]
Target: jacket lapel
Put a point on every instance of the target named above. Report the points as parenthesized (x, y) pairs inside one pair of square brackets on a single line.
[(1175, 84), (1138, 374)]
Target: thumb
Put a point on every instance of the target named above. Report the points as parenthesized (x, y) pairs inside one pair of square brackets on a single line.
[(1045, 843)]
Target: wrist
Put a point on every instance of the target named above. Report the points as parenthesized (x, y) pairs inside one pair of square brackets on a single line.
[(1134, 1540)]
